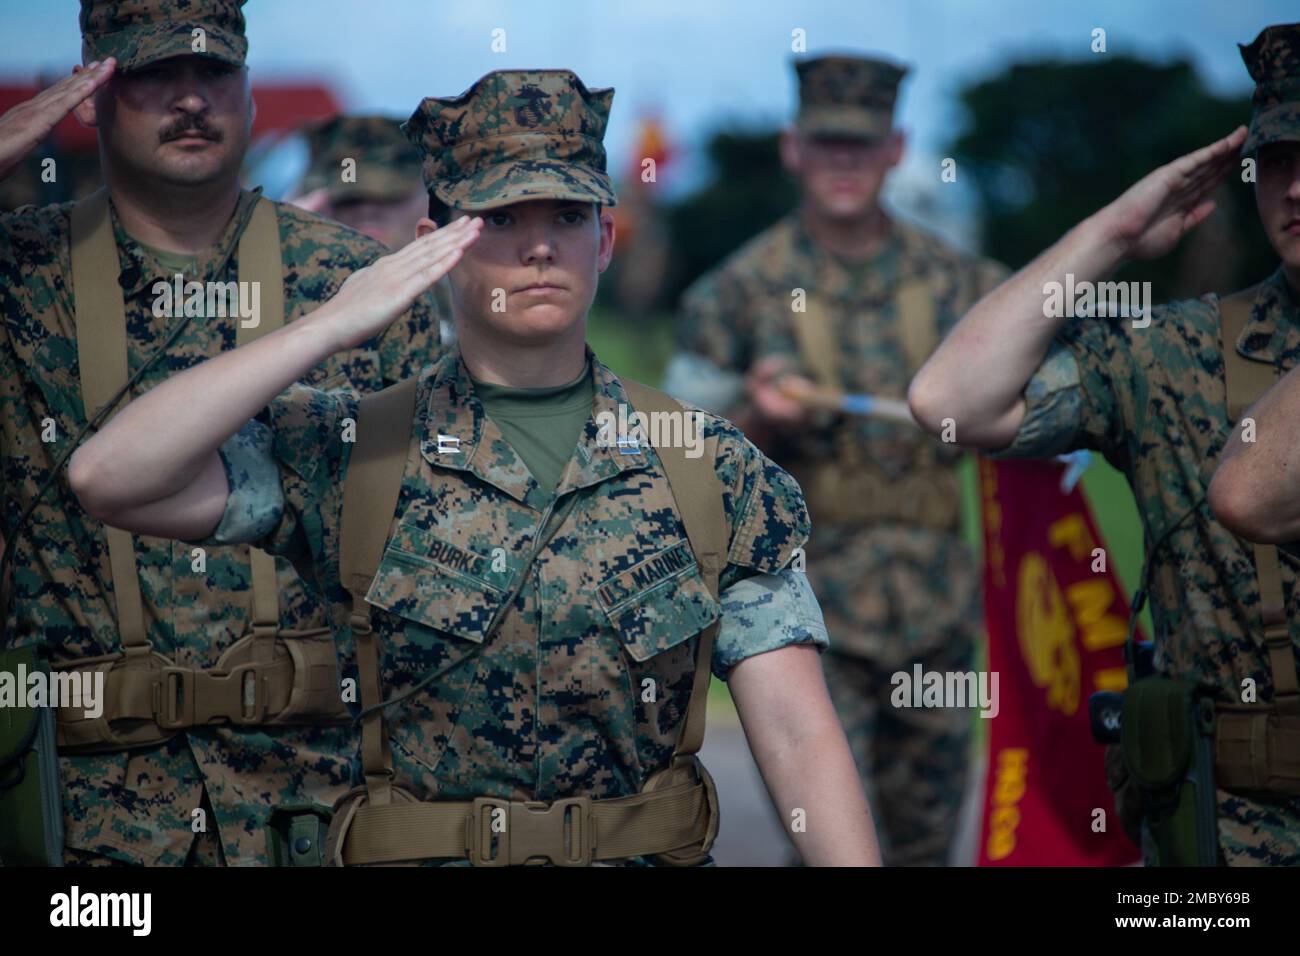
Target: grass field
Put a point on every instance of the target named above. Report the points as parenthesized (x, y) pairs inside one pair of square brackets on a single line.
[(641, 352)]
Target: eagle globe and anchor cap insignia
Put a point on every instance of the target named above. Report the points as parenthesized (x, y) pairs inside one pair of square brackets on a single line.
[(512, 136)]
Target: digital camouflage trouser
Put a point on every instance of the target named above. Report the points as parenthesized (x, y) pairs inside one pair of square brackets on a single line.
[(893, 597)]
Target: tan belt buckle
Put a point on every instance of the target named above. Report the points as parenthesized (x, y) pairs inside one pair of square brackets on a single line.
[(538, 827), (532, 831), (176, 709), (250, 709), (478, 836)]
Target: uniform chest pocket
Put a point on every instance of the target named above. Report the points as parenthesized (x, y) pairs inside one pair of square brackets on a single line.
[(658, 603), (437, 586)]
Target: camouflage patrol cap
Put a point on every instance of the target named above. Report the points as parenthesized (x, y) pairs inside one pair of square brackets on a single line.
[(140, 32), (387, 166), (1274, 64), (850, 96), (515, 135)]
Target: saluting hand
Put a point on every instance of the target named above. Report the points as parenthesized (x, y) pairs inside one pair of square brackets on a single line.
[(1148, 220), (27, 124), (372, 298)]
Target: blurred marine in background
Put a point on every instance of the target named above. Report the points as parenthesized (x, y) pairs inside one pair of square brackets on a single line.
[(839, 297), (364, 174), (221, 696)]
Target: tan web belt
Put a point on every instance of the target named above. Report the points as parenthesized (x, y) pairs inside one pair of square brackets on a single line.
[(263, 678), (491, 832), (849, 496), (1257, 747), (1257, 752), (268, 676)]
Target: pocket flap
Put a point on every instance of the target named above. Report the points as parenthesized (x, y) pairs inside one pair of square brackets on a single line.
[(428, 580), (659, 602)]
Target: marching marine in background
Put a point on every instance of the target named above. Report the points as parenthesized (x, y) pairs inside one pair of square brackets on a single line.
[(215, 659), (537, 598), (365, 174), (1210, 735), (849, 299)]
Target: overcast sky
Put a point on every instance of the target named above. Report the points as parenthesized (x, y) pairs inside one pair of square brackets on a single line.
[(697, 63)]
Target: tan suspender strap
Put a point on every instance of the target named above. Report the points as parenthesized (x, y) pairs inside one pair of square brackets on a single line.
[(260, 262), (1277, 635), (814, 333), (376, 751), (100, 316), (374, 482), (914, 302), (266, 677), (697, 493), (370, 492), (1244, 382)]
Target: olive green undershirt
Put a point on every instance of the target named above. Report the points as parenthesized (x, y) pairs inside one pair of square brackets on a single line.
[(542, 425), (174, 262)]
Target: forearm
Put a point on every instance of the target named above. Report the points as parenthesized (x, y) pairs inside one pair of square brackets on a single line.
[(814, 771), (163, 441), (976, 376), (800, 749), (1256, 489)]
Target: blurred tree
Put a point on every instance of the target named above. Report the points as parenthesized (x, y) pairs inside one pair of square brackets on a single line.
[(748, 191), (1048, 143)]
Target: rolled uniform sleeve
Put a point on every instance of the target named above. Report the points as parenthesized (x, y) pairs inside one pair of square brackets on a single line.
[(255, 500), (711, 336), (1083, 395), (766, 612), (765, 603), (282, 470)]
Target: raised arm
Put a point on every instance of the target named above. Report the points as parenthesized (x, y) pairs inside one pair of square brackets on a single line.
[(26, 125), (976, 377), (154, 468)]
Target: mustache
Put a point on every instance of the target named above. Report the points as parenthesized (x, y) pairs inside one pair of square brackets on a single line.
[(190, 125)]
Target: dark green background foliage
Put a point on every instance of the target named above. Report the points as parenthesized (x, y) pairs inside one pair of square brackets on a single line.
[(1047, 143), (748, 192)]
